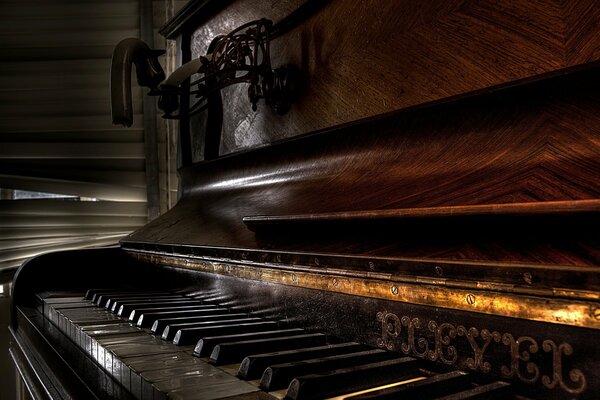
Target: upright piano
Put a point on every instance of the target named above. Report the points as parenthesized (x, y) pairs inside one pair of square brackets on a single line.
[(421, 222)]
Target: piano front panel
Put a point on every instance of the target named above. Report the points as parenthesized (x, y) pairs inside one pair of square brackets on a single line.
[(541, 360)]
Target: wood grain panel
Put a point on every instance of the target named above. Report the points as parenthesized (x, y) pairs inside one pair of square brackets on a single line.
[(361, 59), (534, 143)]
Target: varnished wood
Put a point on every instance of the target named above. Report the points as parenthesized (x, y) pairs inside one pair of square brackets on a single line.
[(362, 59), (548, 209), (529, 144)]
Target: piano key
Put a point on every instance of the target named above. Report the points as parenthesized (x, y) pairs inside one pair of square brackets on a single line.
[(95, 296), (148, 319), (51, 310), (171, 330), (40, 296), (189, 336), (180, 307), (68, 319), (159, 324), (193, 313), (237, 390), (252, 366), (491, 391), (131, 367), (61, 302), (142, 371), (157, 383), (102, 330), (205, 346), (102, 345), (279, 376), (235, 352), (108, 301), (126, 309), (434, 386), (112, 303), (352, 379), (90, 293)]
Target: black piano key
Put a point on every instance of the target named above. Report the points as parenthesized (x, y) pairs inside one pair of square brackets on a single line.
[(280, 375), (434, 386), (205, 346), (352, 379), (171, 330), (190, 336), (103, 299), (491, 391), (175, 315), (158, 326), (135, 313), (113, 303), (252, 367), (147, 320), (235, 352), (90, 293), (96, 296), (126, 309)]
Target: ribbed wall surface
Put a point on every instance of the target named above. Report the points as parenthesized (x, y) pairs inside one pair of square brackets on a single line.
[(55, 128)]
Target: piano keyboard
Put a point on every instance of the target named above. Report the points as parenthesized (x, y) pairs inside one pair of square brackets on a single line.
[(193, 345)]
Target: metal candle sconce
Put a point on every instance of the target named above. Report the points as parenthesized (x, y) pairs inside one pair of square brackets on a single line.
[(242, 56)]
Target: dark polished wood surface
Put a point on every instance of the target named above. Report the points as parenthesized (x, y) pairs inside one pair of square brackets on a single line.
[(528, 144), (361, 59)]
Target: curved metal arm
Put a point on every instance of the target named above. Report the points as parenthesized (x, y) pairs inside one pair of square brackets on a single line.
[(242, 56), (148, 70)]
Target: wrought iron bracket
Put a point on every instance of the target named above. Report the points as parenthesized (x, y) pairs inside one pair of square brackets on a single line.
[(242, 56)]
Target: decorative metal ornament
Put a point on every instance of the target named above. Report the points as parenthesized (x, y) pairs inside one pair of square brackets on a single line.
[(242, 56)]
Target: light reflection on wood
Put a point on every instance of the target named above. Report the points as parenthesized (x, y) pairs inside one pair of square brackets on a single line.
[(389, 385)]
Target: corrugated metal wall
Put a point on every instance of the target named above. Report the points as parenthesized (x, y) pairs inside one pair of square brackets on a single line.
[(55, 128)]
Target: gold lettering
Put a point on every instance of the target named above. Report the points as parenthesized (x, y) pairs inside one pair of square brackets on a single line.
[(443, 340), (410, 347), (390, 330), (471, 335), (575, 375), (516, 355)]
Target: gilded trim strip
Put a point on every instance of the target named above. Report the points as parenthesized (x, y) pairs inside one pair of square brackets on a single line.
[(584, 314)]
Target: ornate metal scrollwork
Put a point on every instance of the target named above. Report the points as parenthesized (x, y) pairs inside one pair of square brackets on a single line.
[(440, 342), (242, 56)]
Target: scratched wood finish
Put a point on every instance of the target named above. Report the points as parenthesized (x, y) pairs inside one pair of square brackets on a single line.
[(366, 58), (534, 143)]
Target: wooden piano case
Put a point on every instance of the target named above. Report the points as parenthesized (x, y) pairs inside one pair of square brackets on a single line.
[(434, 191)]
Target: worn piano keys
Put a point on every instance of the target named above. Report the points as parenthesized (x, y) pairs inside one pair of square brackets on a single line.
[(216, 351), (432, 237)]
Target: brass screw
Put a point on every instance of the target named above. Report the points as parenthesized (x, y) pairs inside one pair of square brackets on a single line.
[(294, 278), (438, 270), (528, 278), (394, 290), (471, 299), (335, 282), (596, 312)]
